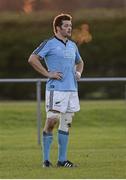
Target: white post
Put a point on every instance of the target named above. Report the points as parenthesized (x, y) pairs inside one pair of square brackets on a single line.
[(39, 109)]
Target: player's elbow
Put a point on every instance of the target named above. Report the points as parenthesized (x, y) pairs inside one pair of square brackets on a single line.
[(30, 60)]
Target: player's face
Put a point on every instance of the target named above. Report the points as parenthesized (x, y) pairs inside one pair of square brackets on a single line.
[(66, 28)]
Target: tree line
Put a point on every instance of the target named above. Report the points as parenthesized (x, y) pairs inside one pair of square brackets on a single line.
[(38, 5)]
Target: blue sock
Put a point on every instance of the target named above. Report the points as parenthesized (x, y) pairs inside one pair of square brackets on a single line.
[(47, 141), (62, 141)]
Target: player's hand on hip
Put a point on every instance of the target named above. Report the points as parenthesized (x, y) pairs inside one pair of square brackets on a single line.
[(55, 75)]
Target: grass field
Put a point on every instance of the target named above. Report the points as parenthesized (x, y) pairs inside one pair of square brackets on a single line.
[(97, 142)]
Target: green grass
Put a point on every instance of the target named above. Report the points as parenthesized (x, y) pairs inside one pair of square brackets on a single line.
[(97, 142)]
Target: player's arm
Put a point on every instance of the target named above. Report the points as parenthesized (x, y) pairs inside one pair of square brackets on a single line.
[(34, 61), (79, 69)]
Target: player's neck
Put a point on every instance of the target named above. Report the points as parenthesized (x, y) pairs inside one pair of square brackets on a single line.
[(59, 36)]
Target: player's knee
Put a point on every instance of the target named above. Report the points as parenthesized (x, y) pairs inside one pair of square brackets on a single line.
[(53, 115), (51, 120), (65, 121)]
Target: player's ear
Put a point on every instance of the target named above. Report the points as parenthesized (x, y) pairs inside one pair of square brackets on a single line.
[(58, 28)]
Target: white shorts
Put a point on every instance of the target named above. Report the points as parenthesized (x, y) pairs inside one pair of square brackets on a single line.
[(62, 101)]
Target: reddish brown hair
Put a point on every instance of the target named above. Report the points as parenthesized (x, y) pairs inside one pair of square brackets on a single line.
[(58, 20)]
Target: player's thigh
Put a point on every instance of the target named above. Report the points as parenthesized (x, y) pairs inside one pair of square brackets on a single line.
[(57, 100), (73, 105)]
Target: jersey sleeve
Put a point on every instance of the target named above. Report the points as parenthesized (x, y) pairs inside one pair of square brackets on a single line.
[(42, 50), (78, 57)]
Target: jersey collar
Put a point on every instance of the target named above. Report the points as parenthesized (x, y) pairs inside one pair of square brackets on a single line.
[(61, 40)]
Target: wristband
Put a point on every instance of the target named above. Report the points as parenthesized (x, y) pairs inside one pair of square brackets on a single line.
[(78, 73)]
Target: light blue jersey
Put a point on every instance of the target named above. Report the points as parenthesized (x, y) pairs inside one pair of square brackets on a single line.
[(60, 57)]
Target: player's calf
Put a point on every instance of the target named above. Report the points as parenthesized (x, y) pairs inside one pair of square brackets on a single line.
[(51, 121)]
